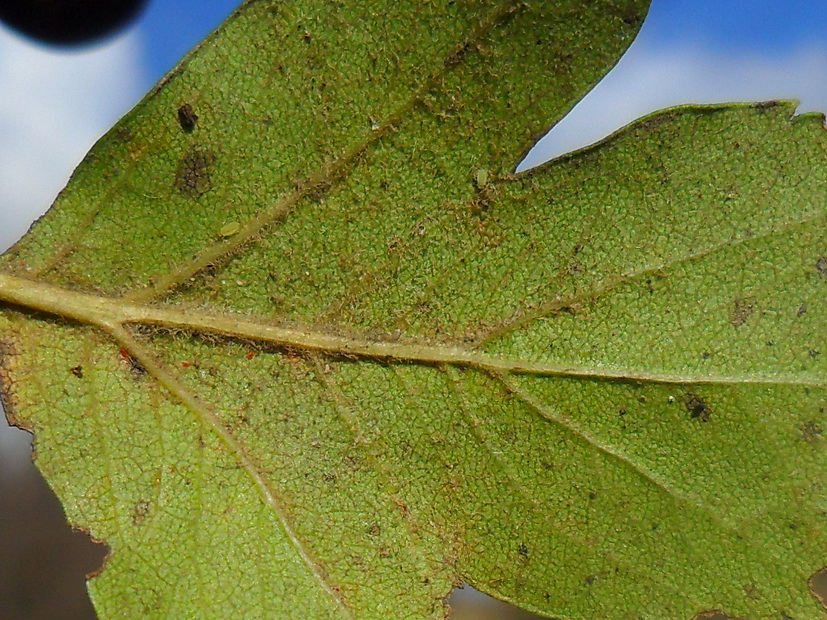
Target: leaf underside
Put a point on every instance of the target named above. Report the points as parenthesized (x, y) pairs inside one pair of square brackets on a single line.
[(297, 344)]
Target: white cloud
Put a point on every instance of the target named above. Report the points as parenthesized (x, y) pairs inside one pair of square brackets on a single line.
[(648, 79), (53, 106)]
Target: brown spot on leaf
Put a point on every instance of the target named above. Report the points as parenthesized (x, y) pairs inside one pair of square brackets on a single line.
[(742, 310), (654, 122), (821, 266), (187, 118), (802, 310), (77, 371), (629, 16), (193, 176), (135, 367), (458, 54), (763, 106), (697, 407), (140, 511), (123, 134), (811, 431)]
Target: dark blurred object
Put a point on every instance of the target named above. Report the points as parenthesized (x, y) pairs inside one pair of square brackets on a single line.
[(69, 22)]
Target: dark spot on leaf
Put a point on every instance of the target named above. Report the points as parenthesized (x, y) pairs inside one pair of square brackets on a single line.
[(763, 106), (811, 431), (813, 353), (821, 266), (590, 579), (523, 550), (123, 134), (187, 118), (802, 310), (622, 411), (137, 370), (592, 495), (456, 58), (697, 407), (631, 18), (140, 511), (135, 367), (742, 311), (192, 178), (77, 371), (654, 122)]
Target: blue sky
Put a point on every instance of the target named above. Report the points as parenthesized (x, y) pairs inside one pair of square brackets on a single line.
[(171, 27), (761, 25)]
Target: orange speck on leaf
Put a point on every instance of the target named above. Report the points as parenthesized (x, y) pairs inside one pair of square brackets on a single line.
[(251, 355)]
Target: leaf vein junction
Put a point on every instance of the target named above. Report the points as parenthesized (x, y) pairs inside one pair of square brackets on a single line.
[(194, 404), (596, 292), (536, 506)]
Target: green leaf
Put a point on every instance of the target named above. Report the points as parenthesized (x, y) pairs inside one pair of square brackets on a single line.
[(295, 342)]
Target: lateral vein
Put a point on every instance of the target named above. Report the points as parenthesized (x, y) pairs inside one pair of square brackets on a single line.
[(194, 404)]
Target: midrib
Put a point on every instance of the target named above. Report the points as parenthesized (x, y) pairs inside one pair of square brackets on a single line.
[(114, 313)]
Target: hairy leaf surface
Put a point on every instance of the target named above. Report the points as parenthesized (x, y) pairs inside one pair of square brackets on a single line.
[(296, 342)]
